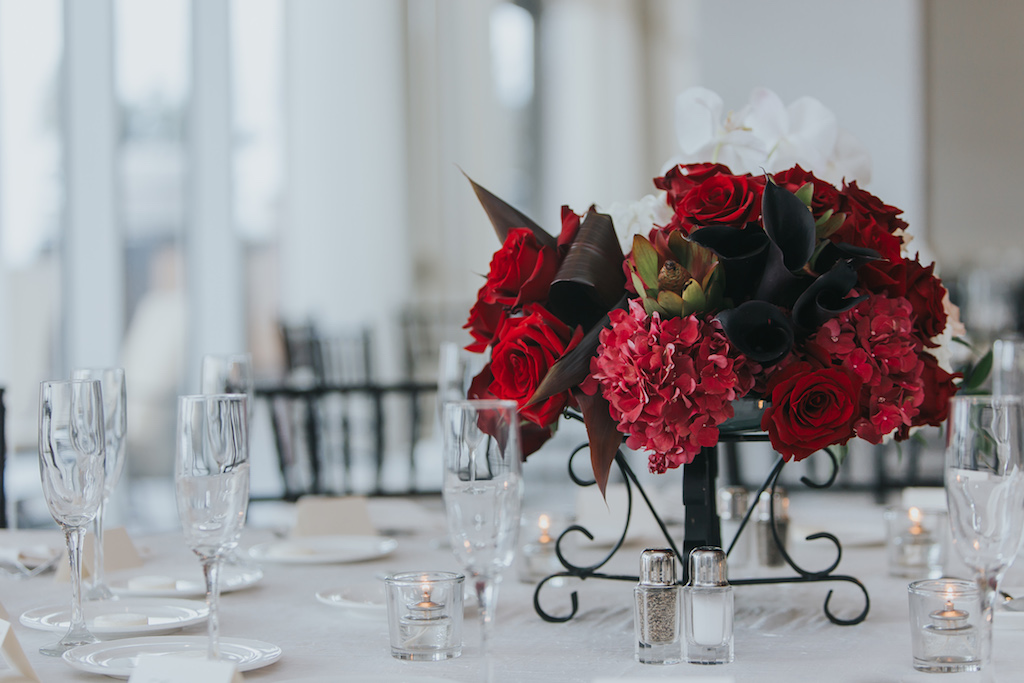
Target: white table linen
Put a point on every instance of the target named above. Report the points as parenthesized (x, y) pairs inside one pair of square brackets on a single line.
[(782, 634)]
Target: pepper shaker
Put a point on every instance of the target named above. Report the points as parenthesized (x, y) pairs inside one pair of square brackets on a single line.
[(656, 609), (732, 506), (768, 551), (708, 609)]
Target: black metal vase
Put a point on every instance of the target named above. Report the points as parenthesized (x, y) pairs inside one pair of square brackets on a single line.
[(702, 526)]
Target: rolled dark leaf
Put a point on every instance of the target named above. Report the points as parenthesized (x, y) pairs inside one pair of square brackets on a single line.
[(573, 367), (833, 252), (759, 330), (741, 256), (789, 224), (602, 434), (591, 279), (504, 216), (827, 297)]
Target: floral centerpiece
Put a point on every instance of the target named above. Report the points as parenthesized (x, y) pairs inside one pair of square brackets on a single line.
[(747, 274)]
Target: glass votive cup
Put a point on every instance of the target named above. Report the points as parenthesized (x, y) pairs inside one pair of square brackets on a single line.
[(538, 534), (425, 614), (915, 541), (946, 625)]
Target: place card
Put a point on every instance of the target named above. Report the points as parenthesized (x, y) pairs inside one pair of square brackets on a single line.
[(332, 516), (118, 553), (13, 654), (171, 669)]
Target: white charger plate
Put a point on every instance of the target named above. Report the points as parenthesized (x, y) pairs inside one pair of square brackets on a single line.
[(231, 579), (324, 549), (117, 658), (164, 616), (365, 600)]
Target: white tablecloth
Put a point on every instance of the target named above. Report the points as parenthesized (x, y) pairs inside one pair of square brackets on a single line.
[(782, 634)]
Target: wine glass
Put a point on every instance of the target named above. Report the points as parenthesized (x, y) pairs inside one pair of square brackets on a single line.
[(985, 491), (115, 423), (1008, 367), (71, 455), (211, 477), (483, 493)]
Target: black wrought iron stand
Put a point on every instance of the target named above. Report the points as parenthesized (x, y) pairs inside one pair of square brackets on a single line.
[(702, 528)]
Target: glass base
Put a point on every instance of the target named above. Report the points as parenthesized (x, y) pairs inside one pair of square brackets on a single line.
[(703, 654), (66, 643), (658, 653), (426, 655), (947, 665)]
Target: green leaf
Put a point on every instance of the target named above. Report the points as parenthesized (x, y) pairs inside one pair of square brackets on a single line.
[(834, 222), (671, 302), (824, 217), (638, 284), (977, 375), (805, 193), (693, 297), (652, 306), (646, 259)]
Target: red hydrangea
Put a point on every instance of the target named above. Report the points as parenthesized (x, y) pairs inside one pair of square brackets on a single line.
[(876, 342), (669, 383)]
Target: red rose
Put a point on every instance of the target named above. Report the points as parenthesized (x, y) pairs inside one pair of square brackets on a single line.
[(925, 293), (939, 387), (520, 273), (824, 197), (721, 200), (524, 350), (811, 409), (869, 223), (484, 321), (684, 177)]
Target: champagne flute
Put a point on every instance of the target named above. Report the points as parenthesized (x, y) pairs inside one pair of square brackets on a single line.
[(985, 491), (1008, 367), (71, 455), (228, 373), (115, 424), (211, 477), (483, 493)]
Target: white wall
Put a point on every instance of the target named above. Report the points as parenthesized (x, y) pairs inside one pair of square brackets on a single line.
[(862, 60)]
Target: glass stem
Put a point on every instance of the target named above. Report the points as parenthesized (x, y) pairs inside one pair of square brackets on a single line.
[(75, 538), (487, 599), (97, 556), (211, 572), (988, 584)]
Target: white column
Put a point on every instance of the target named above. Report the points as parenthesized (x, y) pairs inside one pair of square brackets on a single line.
[(345, 254), (93, 283), (214, 274)]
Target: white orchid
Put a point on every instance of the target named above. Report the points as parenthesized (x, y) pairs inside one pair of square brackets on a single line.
[(638, 217), (767, 136)]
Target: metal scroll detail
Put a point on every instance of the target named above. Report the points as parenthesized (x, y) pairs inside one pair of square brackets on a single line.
[(593, 571)]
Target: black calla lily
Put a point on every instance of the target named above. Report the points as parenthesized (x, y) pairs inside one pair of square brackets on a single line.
[(827, 297), (789, 224), (760, 330)]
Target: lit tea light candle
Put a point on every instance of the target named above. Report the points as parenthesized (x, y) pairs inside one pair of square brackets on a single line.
[(425, 625), (537, 558), (944, 635)]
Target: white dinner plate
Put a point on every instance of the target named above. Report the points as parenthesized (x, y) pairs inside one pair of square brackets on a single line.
[(324, 549), (162, 616), (231, 579), (360, 599), (117, 658)]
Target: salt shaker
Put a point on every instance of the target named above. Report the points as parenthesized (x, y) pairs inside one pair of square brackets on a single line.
[(656, 609), (732, 506), (768, 551), (708, 609)]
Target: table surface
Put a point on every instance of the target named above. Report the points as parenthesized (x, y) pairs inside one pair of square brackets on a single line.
[(781, 632)]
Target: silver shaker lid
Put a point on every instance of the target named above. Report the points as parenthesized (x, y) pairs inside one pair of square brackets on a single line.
[(732, 502), (658, 567), (708, 567)]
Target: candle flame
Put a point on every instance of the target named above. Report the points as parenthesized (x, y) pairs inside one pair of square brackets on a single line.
[(915, 515), (544, 522)]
